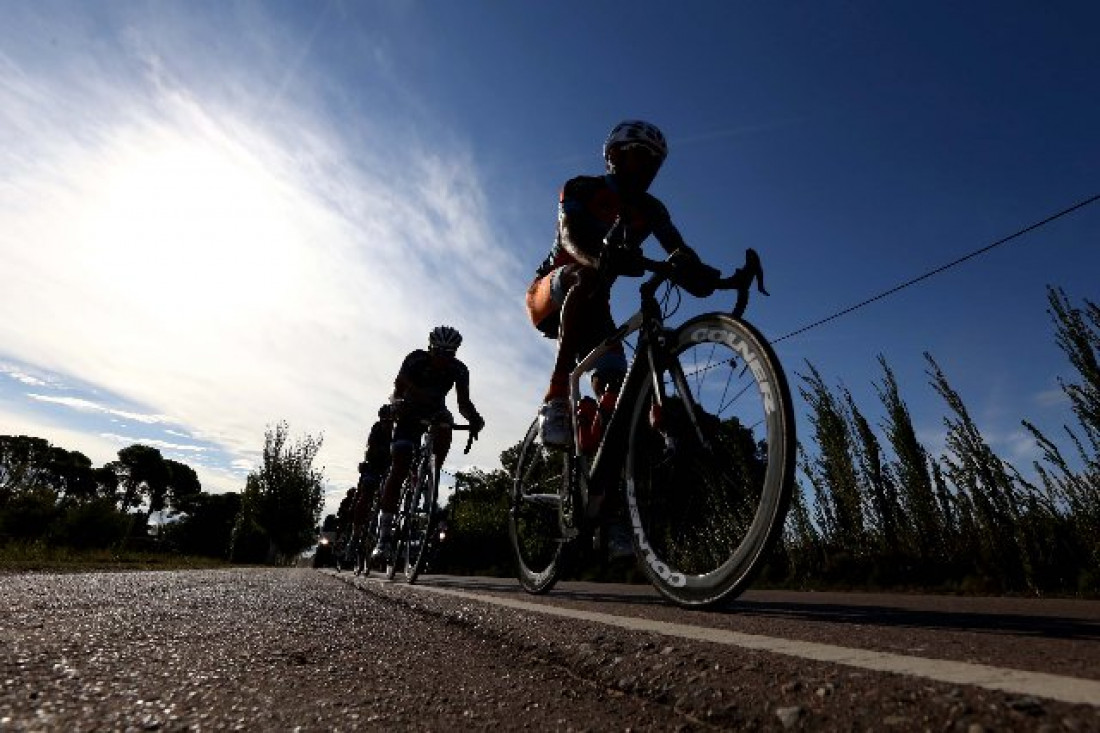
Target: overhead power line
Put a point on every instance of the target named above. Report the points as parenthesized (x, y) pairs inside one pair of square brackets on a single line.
[(942, 268)]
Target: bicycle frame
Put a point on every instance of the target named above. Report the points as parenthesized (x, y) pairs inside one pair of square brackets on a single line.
[(650, 360)]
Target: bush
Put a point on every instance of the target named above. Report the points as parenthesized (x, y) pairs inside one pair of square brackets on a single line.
[(28, 514), (89, 524)]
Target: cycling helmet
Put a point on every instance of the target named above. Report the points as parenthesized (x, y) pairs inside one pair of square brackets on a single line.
[(444, 338), (385, 412), (635, 132)]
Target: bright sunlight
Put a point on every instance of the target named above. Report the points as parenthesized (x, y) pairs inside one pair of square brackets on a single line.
[(188, 224)]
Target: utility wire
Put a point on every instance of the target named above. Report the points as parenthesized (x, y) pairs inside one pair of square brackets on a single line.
[(938, 270)]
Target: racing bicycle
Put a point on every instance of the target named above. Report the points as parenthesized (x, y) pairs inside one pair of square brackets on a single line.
[(414, 523), (698, 451)]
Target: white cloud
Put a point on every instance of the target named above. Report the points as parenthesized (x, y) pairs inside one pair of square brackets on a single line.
[(19, 376), (84, 405), (163, 445)]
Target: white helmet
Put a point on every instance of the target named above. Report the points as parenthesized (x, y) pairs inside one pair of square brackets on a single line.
[(635, 132), (445, 338)]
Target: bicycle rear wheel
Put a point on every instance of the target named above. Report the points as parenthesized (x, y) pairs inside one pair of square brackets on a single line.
[(421, 518), (708, 496), (540, 480)]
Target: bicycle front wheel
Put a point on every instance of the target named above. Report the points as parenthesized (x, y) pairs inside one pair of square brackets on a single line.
[(370, 534), (535, 527), (421, 518), (400, 529), (710, 472)]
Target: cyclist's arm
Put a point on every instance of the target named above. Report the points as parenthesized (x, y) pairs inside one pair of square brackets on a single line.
[(465, 406), (664, 231)]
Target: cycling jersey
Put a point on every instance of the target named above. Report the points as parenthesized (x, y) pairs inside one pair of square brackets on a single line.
[(377, 455), (431, 383), (590, 205)]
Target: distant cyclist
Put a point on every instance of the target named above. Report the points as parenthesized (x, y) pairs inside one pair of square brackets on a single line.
[(420, 392), (372, 469), (567, 299), (344, 512)]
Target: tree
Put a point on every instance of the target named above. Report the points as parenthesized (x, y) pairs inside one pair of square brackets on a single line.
[(833, 473), (282, 500), (143, 476), (184, 486), (478, 538), (993, 488), (916, 516), (23, 464), (1076, 490), (882, 509), (207, 527), (73, 473)]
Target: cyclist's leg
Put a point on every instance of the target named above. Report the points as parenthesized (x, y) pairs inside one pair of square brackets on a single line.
[(581, 310), (405, 434), (557, 304), (441, 444), (610, 369)]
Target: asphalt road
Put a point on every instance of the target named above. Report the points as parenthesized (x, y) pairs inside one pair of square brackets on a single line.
[(302, 649)]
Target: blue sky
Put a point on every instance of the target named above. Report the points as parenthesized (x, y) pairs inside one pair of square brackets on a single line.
[(217, 215)]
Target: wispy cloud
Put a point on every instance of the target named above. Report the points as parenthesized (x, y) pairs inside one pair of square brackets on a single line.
[(125, 440), (21, 376), (231, 270), (84, 405)]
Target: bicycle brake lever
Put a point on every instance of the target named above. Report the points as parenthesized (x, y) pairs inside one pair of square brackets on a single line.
[(744, 278), (756, 270)]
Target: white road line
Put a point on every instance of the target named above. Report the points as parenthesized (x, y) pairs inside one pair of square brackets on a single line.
[(1054, 687)]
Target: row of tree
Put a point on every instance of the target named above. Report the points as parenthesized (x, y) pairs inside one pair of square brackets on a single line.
[(874, 507), (891, 512), (55, 496)]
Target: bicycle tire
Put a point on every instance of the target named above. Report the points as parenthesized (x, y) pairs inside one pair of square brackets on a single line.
[(705, 514), (370, 538), (421, 518), (539, 482), (400, 529)]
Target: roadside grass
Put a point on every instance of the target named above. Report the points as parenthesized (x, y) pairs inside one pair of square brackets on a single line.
[(20, 557)]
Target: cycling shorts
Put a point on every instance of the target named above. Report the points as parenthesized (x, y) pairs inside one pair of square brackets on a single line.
[(544, 300), (409, 428)]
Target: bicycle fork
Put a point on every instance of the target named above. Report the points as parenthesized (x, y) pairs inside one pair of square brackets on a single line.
[(660, 362)]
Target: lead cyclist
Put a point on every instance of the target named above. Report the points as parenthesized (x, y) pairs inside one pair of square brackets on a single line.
[(569, 298)]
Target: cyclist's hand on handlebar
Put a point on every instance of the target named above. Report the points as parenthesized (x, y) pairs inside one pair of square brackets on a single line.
[(684, 256), (477, 424), (619, 260)]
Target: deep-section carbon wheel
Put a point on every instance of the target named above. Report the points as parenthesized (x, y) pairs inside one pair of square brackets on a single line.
[(400, 529), (708, 494), (540, 480), (421, 519)]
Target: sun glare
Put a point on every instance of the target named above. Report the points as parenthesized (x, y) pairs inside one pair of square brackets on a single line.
[(186, 224)]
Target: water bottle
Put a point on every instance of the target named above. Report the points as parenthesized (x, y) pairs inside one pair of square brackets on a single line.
[(603, 415), (588, 427)]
